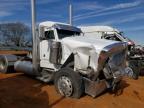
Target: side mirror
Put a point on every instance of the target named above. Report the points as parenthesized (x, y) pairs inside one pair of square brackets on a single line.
[(41, 32), (103, 35)]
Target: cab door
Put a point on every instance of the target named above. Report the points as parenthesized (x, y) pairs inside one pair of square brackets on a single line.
[(45, 44)]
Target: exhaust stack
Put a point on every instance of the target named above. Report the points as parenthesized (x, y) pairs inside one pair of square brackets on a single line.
[(70, 13), (26, 66), (34, 38)]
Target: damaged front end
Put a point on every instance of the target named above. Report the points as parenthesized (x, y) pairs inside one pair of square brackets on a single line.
[(111, 68), (102, 63)]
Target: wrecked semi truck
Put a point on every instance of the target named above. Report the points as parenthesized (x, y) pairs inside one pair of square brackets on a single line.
[(134, 57), (74, 62)]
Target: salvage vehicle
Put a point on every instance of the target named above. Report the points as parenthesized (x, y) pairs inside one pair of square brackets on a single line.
[(76, 63), (135, 57), (108, 33)]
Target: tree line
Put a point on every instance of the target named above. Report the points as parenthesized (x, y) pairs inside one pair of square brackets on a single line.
[(14, 33)]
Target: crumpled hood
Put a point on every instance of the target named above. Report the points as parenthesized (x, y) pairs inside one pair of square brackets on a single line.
[(89, 42)]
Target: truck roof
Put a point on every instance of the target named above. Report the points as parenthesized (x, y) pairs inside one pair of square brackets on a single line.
[(51, 23), (60, 25), (87, 29)]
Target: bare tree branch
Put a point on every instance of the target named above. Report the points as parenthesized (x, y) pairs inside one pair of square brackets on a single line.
[(14, 32)]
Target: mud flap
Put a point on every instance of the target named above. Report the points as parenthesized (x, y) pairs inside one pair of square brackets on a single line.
[(94, 88)]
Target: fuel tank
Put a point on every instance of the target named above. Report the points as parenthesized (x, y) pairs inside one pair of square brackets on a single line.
[(25, 67)]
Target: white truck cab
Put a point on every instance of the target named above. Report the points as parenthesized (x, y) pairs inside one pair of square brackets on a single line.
[(52, 34), (106, 32)]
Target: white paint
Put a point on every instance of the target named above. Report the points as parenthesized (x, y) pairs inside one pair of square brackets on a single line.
[(83, 48)]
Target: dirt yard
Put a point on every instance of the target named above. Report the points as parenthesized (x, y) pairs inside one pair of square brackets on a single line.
[(20, 91), (14, 52)]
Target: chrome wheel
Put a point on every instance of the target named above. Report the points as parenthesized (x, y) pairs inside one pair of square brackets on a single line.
[(3, 63), (65, 86), (68, 83)]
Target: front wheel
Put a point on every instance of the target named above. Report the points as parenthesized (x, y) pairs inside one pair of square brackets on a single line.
[(68, 83)]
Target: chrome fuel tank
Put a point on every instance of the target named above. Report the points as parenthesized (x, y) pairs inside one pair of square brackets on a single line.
[(25, 67)]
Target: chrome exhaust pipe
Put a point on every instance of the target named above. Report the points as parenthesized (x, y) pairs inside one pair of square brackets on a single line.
[(28, 67), (34, 38)]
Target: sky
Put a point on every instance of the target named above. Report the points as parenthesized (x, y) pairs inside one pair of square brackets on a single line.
[(125, 15)]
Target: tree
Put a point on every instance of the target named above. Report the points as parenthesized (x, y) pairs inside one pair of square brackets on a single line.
[(14, 32)]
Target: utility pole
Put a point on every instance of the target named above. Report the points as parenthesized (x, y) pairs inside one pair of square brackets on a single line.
[(70, 13), (34, 39)]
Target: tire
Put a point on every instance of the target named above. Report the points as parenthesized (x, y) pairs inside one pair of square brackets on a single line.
[(134, 67), (68, 83)]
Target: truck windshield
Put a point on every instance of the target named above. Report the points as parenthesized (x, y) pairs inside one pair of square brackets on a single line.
[(66, 33)]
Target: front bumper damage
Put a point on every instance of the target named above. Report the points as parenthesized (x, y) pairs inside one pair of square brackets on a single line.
[(112, 62), (95, 88)]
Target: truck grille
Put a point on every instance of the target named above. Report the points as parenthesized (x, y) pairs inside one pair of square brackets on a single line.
[(117, 61)]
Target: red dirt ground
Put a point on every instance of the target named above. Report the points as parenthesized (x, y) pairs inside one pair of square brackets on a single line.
[(13, 52), (20, 91)]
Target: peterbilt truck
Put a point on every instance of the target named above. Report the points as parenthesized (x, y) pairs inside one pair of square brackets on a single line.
[(74, 62)]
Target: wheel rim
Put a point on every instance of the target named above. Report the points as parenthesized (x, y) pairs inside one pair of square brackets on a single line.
[(65, 86), (2, 64)]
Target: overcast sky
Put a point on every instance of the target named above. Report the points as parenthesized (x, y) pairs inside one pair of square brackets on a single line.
[(125, 15)]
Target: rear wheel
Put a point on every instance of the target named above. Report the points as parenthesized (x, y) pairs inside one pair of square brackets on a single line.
[(134, 66), (68, 83)]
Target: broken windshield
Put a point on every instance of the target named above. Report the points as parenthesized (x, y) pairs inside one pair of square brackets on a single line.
[(111, 37), (66, 33)]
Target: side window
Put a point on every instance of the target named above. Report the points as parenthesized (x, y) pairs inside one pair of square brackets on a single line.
[(49, 34)]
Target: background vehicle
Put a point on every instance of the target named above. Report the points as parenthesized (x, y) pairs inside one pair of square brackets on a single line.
[(135, 55), (108, 33)]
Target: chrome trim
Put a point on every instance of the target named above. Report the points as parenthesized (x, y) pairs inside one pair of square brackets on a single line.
[(108, 51)]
